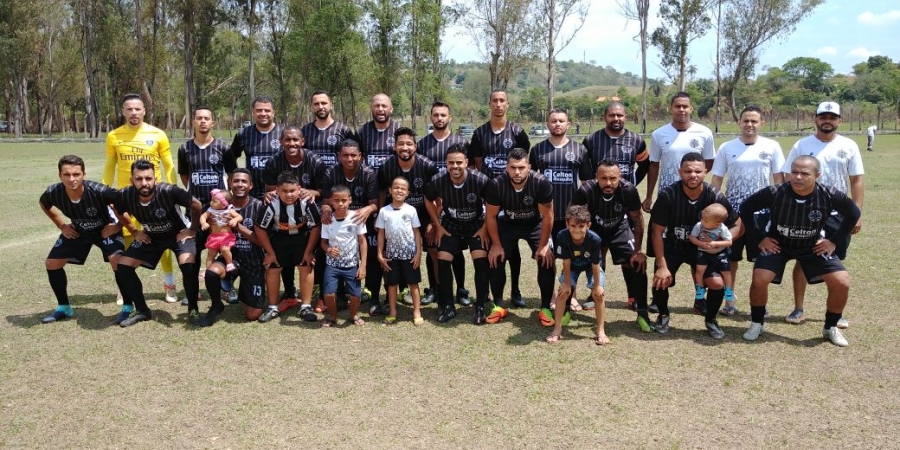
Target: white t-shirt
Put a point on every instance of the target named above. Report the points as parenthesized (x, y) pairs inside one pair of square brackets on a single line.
[(398, 224), (342, 233), (871, 130), (722, 233), (668, 146), (749, 167), (840, 159)]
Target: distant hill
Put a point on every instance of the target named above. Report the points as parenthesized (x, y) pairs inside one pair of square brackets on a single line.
[(598, 91)]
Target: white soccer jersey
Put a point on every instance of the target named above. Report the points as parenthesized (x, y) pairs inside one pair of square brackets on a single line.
[(668, 146), (840, 159), (398, 225), (748, 168)]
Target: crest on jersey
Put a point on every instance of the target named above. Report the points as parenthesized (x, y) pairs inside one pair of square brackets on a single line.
[(332, 139), (842, 153), (618, 207), (149, 141), (815, 215), (528, 200), (418, 182), (507, 143), (587, 254), (358, 191), (248, 222), (471, 197), (159, 213), (305, 179), (214, 158), (91, 211), (695, 143), (570, 156), (765, 156), (274, 143), (389, 141)]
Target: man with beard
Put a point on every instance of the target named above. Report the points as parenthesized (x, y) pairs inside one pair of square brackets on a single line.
[(842, 169), (519, 205), (156, 207), (376, 137), (672, 219), (619, 144), (434, 146), (258, 142), (247, 254), (491, 143), (324, 135)]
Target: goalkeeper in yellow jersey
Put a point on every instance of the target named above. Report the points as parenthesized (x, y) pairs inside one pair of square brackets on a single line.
[(133, 141)]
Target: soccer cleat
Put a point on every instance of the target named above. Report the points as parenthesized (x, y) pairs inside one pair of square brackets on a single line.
[(754, 331), (516, 300), (497, 313), (306, 313), (462, 297), (171, 293), (366, 295), (121, 317), (796, 317), (119, 299), (406, 296), (834, 335), (843, 323), (270, 314), (630, 304), (194, 318), (662, 324), (546, 317), (376, 309), (233, 297), (652, 308), (448, 314), (211, 316), (427, 299), (567, 317), (700, 307), (729, 310), (478, 316), (135, 317), (56, 316), (715, 331), (287, 303), (700, 293)]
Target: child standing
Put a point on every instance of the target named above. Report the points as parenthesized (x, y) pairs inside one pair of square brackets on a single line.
[(400, 248), (579, 249), (219, 219), (713, 241), (344, 242)]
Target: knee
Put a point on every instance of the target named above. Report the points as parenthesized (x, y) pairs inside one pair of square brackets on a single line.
[(714, 283), (53, 264), (252, 313)]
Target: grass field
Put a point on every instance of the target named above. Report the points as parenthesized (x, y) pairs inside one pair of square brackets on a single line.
[(85, 383)]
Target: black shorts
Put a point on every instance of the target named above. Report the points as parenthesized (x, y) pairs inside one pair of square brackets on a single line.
[(402, 270), (620, 246), (252, 288), (814, 266), (77, 250), (753, 234), (290, 255), (149, 254), (719, 261), (510, 235), (675, 258), (831, 226), (455, 244)]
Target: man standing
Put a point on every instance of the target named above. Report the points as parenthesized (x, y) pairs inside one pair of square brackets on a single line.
[(799, 212), (324, 135), (870, 138), (670, 142), (842, 169), (673, 217), (751, 162), (519, 205), (613, 203), (376, 137), (258, 142), (156, 207), (86, 205), (619, 144), (133, 141), (491, 143)]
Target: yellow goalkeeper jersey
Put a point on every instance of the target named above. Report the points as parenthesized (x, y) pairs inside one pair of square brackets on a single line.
[(127, 144)]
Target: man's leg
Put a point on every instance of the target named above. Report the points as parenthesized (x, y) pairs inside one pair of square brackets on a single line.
[(56, 274), (514, 258), (165, 262), (759, 297), (135, 307), (714, 298), (374, 275), (838, 284)]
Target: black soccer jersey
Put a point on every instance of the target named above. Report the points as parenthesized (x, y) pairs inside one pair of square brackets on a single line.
[(519, 208), (90, 214), (363, 186), (581, 256), (418, 176), (376, 145), (161, 217), (288, 223), (608, 214), (326, 143), (436, 150), (258, 147), (463, 206), (493, 147), (248, 255), (797, 222), (625, 149), (678, 213), (205, 167), (563, 166), (311, 172)]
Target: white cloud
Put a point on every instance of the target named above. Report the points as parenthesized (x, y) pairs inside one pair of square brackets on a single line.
[(869, 18), (826, 51), (862, 53)]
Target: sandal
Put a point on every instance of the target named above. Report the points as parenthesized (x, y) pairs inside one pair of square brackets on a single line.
[(601, 340), (553, 338), (329, 323), (418, 321), (389, 320), (575, 306), (358, 321)]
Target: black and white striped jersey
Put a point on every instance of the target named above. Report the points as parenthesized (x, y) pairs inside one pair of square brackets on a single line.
[(519, 207), (494, 147), (678, 213), (161, 217), (258, 148), (311, 172), (563, 166), (608, 214), (436, 150), (89, 214), (326, 143), (288, 223), (418, 176), (627, 150), (462, 212), (376, 145), (205, 167)]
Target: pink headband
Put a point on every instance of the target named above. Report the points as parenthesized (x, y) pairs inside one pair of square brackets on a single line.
[(217, 194)]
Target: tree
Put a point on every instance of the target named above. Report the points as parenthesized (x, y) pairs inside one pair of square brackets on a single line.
[(385, 21), (639, 10), (810, 73), (504, 33), (427, 19), (555, 13), (747, 27), (683, 21)]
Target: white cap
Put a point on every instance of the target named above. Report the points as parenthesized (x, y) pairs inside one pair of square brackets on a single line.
[(829, 108)]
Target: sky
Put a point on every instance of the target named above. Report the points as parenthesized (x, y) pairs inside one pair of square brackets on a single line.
[(839, 32)]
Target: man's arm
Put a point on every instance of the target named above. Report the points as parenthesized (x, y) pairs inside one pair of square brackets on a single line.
[(857, 193), (109, 168), (652, 178), (165, 159)]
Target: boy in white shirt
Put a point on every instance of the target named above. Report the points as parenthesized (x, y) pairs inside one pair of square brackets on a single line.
[(400, 248), (345, 247)]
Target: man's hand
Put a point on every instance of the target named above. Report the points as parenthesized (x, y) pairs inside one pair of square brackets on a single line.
[(110, 230), (416, 261), (647, 204), (269, 260), (440, 232), (857, 227), (362, 215), (326, 215), (309, 259), (140, 236), (544, 256), (662, 279), (639, 261), (68, 231), (496, 255), (824, 247), (430, 234), (485, 238), (769, 246), (185, 234), (268, 197)]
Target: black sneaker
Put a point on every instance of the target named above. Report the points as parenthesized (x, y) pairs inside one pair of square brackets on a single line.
[(715, 331), (652, 308), (57, 316), (462, 297), (516, 300), (447, 315), (211, 316), (375, 310), (270, 314), (662, 324), (121, 317), (478, 318), (135, 317), (428, 298), (307, 314), (194, 318)]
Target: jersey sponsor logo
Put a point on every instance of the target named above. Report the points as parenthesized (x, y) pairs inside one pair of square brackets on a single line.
[(797, 233), (205, 178), (528, 200), (214, 158), (815, 215), (570, 156), (159, 213), (91, 211), (521, 215), (258, 162), (89, 225), (376, 161), (331, 140), (682, 234), (495, 163), (507, 143), (415, 200), (465, 214), (275, 144), (471, 198), (329, 159), (560, 176), (163, 227)]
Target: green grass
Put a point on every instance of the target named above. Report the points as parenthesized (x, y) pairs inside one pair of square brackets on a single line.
[(87, 384)]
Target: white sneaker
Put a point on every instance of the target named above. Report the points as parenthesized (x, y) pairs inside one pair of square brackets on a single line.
[(843, 323), (119, 300), (834, 335), (754, 331), (171, 293)]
